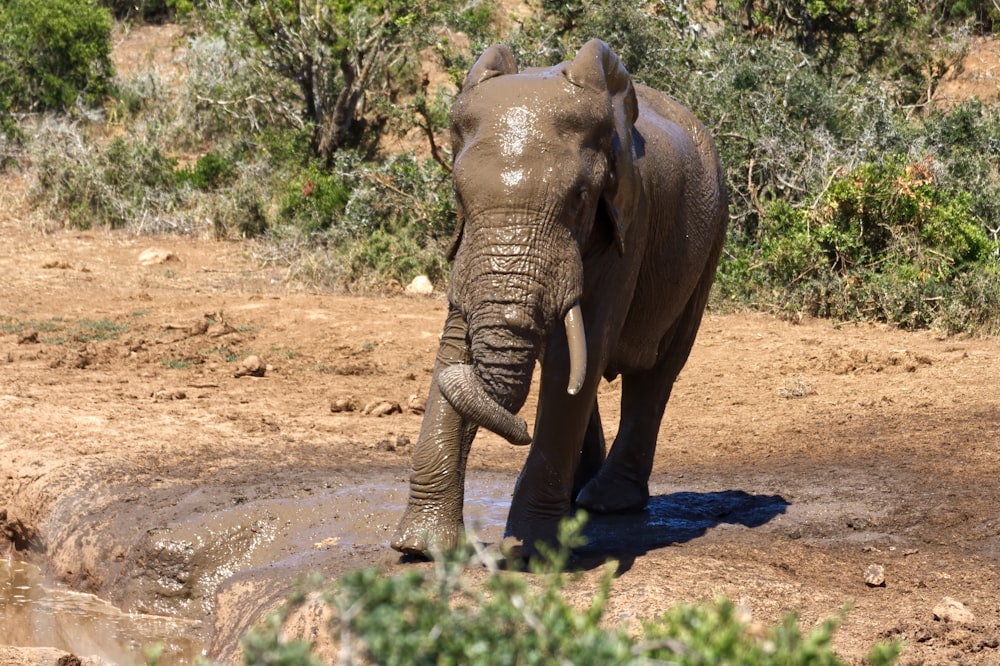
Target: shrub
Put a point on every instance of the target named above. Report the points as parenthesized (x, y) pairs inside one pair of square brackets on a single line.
[(227, 95), (151, 10), (372, 222), (886, 242), (54, 55), (454, 617), (210, 171)]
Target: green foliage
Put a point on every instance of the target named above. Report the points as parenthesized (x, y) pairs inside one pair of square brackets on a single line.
[(346, 58), (265, 647), (697, 635), (152, 10), (129, 181), (451, 615), (209, 172), (885, 243), (377, 222), (228, 95), (315, 199), (851, 197), (54, 55)]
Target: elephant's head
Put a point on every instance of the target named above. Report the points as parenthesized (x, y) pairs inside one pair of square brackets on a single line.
[(544, 175)]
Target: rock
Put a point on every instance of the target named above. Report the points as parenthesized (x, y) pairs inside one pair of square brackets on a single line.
[(251, 366), (165, 395), (348, 404), (382, 408), (393, 443), (415, 404), (953, 611), (421, 286), (29, 337), (875, 575), (328, 542), (156, 255)]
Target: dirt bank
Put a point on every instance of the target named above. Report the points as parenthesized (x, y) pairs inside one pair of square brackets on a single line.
[(137, 465)]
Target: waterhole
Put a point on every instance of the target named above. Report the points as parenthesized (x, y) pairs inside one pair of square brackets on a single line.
[(36, 613), (221, 555)]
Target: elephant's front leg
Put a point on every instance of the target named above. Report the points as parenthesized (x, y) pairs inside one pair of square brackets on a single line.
[(543, 495), (433, 518)]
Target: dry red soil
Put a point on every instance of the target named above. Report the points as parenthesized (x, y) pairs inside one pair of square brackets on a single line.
[(136, 465)]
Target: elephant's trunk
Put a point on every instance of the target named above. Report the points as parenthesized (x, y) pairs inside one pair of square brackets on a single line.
[(463, 389)]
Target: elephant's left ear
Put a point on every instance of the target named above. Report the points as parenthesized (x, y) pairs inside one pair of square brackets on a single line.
[(497, 60), (596, 67)]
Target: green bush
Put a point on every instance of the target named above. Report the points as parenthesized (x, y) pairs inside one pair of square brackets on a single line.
[(130, 183), (373, 222), (151, 10), (886, 242), (210, 171), (455, 617), (54, 55)]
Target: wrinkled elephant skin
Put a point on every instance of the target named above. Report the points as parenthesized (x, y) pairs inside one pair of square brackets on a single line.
[(591, 216)]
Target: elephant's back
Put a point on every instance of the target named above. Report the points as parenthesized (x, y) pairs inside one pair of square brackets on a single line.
[(661, 113)]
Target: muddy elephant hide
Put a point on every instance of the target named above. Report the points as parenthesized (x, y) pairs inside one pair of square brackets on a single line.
[(591, 216)]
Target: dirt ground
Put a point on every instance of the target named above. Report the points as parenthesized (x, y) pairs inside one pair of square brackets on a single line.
[(136, 465)]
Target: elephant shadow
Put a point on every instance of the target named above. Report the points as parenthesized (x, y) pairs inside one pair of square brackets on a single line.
[(671, 519)]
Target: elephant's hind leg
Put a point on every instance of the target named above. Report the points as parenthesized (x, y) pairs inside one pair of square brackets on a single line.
[(592, 453), (623, 482)]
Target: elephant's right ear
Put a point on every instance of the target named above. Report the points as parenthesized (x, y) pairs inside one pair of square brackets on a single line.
[(456, 236), (497, 60)]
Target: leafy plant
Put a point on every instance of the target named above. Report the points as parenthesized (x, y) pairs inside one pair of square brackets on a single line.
[(54, 55), (209, 172), (453, 616)]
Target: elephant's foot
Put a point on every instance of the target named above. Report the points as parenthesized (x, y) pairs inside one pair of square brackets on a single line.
[(424, 533), (521, 546), (528, 531), (614, 493)]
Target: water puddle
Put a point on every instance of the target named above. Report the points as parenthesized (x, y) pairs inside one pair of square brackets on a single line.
[(280, 538), (286, 531), (35, 613)]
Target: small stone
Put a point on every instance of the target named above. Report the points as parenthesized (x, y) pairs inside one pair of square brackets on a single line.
[(421, 286), (156, 255), (348, 404), (415, 404), (875, 575), (165, 395), (251, 366), (953, 611), (328, 542), (382, 408), (27, 337)]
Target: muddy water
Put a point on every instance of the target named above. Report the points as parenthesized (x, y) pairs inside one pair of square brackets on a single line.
[(37, 614), (281, 538)]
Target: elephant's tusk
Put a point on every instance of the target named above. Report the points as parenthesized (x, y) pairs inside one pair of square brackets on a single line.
[(462, 389), (576, 339)]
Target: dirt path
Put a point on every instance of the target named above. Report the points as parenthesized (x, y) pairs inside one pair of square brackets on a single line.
[(135, 465)]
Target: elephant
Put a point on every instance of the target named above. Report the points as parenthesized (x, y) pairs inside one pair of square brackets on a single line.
[(590, 217)]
